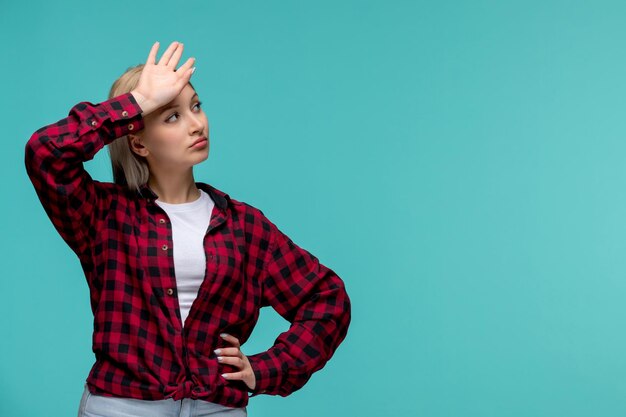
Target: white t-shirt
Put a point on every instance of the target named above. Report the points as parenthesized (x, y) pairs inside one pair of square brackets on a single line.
[(189, 224)]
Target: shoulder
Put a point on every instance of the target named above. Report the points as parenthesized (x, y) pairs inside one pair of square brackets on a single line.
[(247, 213), (224, 201), (112, 194), (118, 189)]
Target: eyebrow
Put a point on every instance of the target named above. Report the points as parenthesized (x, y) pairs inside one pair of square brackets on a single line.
[(174, 105)]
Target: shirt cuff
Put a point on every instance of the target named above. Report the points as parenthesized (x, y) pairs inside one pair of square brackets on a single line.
[(266, 373), (123, 111)]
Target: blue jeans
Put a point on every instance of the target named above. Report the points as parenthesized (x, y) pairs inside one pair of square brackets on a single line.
[(92, 405)]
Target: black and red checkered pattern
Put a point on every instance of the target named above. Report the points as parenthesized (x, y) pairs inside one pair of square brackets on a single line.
[(124, 243)]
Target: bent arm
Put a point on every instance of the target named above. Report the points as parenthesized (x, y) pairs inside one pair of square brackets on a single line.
[(313, 298), (54, 163)]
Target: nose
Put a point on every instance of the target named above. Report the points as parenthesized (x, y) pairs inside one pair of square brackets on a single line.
[(196, 123)]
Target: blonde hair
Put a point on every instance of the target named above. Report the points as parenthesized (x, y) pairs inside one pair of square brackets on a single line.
[(129, 169)]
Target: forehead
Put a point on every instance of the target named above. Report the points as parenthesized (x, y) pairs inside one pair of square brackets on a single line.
[(182, 100), (185, 95)]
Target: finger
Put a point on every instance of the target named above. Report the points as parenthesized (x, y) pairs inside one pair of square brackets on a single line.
[(235, 375), (176, 56), (153, 53), (167, 55), (228, 352), (230, 360), (188, 64), (230, 339), (183, 80)]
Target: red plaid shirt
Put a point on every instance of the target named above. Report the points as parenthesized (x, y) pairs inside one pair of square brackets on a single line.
[(124, 243)]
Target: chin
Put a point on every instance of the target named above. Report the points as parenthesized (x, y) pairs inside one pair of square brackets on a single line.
[(202, 159)]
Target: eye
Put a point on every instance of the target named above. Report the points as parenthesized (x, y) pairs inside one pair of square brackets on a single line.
[(198, 104), (170, 118)]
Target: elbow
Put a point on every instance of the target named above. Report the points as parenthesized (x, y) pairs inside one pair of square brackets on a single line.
[(36, 140), (40, 152), (347, 314), (33, 146), (30, 151)]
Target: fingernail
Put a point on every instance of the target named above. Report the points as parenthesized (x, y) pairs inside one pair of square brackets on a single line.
[(223, 334), (225, 376), (219, 359), (193, 69), (217, 351)]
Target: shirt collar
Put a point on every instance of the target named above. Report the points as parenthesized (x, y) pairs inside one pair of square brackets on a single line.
[(219, 197)]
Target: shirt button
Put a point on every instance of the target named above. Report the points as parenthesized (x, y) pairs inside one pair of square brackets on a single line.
[(170, 291), (124, 113), (164, 247), (162, 221), (94, 123), (131, 126)]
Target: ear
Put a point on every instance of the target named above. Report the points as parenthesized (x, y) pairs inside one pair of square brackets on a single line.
[(136, 145)]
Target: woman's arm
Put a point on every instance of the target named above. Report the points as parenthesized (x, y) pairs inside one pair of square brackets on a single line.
[(54, 162), (313, 298), (55, 153)]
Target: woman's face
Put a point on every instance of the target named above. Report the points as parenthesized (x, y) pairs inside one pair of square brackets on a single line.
[(167, 140)]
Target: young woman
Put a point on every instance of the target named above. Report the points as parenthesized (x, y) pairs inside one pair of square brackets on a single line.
[(177, 269)]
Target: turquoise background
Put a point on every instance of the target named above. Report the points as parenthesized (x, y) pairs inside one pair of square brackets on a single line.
[(460, 164)]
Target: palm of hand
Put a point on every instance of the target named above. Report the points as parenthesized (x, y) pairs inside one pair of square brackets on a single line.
[(159, 83)]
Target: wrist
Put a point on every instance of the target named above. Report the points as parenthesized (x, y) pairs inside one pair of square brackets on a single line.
[(146, 105)]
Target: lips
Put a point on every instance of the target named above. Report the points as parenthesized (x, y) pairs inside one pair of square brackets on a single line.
[(202, 139)]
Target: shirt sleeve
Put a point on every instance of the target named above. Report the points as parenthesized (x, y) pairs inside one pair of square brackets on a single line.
[(313, 299), (54, 163)]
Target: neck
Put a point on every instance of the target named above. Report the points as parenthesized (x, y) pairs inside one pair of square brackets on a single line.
[(174, 189)]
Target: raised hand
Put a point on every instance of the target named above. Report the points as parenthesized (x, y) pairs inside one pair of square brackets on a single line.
[(234, 356), (159, 83)]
